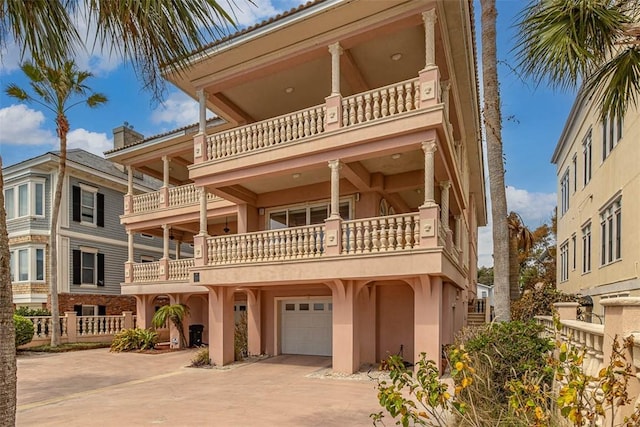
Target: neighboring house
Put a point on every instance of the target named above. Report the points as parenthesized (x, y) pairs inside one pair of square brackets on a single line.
[(598, 168), (337, 198), (92, 244), (485, 291)]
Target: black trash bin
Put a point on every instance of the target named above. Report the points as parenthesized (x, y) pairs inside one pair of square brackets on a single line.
[(195, 335)]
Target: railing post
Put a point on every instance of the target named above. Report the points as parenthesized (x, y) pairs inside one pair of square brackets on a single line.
[(428, 226), (128, 203), (333, 236), (163, 269), (72, 329), (567, 310), (200, 250), (487, 310), (128, 320)]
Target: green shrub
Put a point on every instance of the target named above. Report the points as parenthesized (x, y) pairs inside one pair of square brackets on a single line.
[(538, 302), (24, 330), (201, 358), (502, 352), (134, 339), (26, 311)]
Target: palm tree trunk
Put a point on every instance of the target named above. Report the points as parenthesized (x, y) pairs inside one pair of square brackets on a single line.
[(63, 129), (493, 134), (7, 328), (514, 268)]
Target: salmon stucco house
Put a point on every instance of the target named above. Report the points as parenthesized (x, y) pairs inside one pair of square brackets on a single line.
[(337, 195)]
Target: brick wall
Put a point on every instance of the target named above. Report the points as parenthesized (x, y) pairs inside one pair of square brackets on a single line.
[(115, 304)]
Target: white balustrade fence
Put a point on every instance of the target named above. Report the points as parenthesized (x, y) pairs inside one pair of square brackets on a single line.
[(81, 328), (388, 233), (285, 244), (42, 326), (267, 133), (146, 271), (187, 195), (99, 325), (146, 202), (179, 268), (383, 102)]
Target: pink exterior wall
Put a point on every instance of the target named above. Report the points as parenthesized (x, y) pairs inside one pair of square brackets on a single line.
[(394, 325)]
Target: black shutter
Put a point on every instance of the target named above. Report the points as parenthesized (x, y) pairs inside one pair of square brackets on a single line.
[(78, 309), (102, 310), (77, 267), (76, 204), (100, 269), (100, 219)]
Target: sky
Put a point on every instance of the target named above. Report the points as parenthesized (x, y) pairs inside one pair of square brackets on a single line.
[(533, 117)]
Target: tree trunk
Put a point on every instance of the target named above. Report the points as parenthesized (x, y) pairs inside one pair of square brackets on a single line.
[(63, 129), (493, 135), (514, 268), (7, 328)]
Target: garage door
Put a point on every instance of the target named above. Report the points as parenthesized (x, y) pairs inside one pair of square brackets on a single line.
[(306, 327)]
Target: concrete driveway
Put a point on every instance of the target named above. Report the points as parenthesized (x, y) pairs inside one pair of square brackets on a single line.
[(106, 389)]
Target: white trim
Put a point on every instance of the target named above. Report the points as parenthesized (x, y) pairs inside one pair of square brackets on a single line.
[(29, 298), (308, 205), (89, 188), (27, 232), (30, 182), (14, 262), (88, 249), (105, 240)]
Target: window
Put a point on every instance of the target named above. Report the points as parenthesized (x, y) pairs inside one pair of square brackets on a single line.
[(564, 262), (586, 248), (27, 264), (88, 267), (611, 134), (574, 166), (88, 205), (564, 193), (297, 216), (586, 159), (611, 232), (26, 199), (573, 252)]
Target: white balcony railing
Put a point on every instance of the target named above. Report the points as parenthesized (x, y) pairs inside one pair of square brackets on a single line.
[(389, 233), (179, 268), (273, 245), (146, 202), (187, 195), (99, 325), (146, 272), (382, 102), (267, 133)]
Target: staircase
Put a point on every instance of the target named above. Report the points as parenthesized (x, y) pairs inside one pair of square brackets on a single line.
[(477, 312)]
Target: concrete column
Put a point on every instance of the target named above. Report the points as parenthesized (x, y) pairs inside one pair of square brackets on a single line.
[(366, 309), (444, 204), (203, 212), (458, 231), (567, 310), (144, 311), (242, 218), (335, 166), (129, 246), (336, 50), (429, 19), (130, 180), (165, 171), (166, 229), (178, 245), (128, 319), (221, 325), (254, 327), (128, 265), (72, 331), (429, 148), (346, 348), (427, 312), (202, 109)]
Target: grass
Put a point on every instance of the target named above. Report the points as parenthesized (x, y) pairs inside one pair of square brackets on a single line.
[(62, 348)]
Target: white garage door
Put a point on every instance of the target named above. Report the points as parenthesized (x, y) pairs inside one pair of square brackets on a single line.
[(306, 327)]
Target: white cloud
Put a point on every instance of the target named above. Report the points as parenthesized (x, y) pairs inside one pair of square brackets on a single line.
[(247, 13), (177, 110), (534, 208), (23, 126), (93, 142)]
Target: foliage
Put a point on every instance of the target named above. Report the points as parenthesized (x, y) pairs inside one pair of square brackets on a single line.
[(240, 338), (134, 339), (589, 42), (26, 311), (66, 347), (175, 313), (520, 244), (485, 275), (539, 302), (24, 330), (506, 351), (148, 34), (538, 265), (201, 358)]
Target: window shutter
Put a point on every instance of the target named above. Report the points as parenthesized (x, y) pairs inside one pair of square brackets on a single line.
[(100, 269), (77, 267), (76, 204), (100, 219), (102, 310), (78, 309)]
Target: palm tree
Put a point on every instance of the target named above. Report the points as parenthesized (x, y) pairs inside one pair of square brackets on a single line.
[(593, 42), (520, 242), (7, 330), (175, 313), (58, 90), (148, 34), (493, 136)]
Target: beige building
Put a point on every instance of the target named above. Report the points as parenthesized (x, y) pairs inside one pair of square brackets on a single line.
[(336, 199), (598, 169)]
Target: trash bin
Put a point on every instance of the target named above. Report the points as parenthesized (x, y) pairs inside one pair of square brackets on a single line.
[(195, 335)]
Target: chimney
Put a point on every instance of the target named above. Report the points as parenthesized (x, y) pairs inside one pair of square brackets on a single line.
[(125, 135)]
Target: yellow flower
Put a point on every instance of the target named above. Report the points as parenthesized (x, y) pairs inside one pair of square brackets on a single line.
[(459, 366), (539, 413)]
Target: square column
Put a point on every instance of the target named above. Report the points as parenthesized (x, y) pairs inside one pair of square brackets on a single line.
[(221, 325), (427, 329), (254, 327), (144, 311), (345, 345)]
